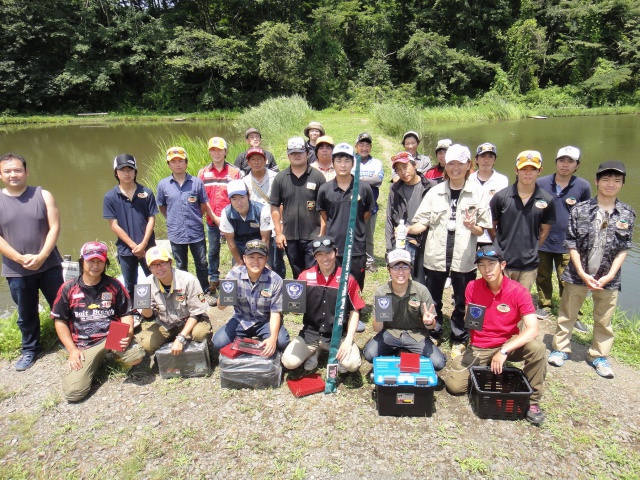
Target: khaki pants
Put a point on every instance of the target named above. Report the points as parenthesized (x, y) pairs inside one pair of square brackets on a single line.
[(298, 351), (524, 277), (77, 383), (153, 336), (534, 355), (604, 304), (545, 274)]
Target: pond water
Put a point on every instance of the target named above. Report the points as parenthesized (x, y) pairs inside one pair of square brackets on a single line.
[(74, 162)]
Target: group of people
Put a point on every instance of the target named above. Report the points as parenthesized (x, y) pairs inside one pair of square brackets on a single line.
[(459, 220)]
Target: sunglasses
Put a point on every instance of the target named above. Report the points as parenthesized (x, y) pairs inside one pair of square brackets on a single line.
[(490, 253), (326, 242)]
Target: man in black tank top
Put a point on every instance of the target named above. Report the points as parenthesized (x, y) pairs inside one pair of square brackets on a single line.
[(29, 229)]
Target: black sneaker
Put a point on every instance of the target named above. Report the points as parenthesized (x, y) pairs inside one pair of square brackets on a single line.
[(535, 415), (580, 327), (26, 361)]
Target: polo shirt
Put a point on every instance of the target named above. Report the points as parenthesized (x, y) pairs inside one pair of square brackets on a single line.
[(255, 301), (322, 296), (298, 195), (263, 186), (518, 228), (184, 214), (496, 182), (215, 183), (578, 190), (329, 172), (241, 162), (372, 172), (132, 215), (504, 311), (407, 310), (183, 300), (337, 205)]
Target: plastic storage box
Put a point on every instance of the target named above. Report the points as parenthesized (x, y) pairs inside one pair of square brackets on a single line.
[(404, 394), (501, 397), (192, 362), (250, 371)]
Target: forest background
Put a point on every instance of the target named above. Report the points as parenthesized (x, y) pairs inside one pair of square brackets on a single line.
[(66, 56)]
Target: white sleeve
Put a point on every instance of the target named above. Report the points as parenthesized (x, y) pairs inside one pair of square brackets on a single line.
[(225, 225), (265, 219)]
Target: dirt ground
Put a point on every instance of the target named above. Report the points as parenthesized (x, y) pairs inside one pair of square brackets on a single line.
[(141, 426)]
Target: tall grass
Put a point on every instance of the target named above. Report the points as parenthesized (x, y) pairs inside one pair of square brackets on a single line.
[(394, 119), (11, 338)]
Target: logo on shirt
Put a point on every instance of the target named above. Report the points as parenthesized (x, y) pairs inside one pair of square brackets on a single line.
[(201, 297), (504, 308), (266, 293), (622, 225), (254, 225), (93, 306), (180, 298), (571, 201), (192, 199), (414, 303), (541, 204), (227, 287), (143, 195), (77, 295), (106, 296), (476, 312), (384, 303), (106, 304), (311, 205), (294, 290), (311, 185)]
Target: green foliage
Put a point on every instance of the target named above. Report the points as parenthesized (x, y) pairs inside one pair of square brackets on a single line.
[(11, 338), (526, 48)]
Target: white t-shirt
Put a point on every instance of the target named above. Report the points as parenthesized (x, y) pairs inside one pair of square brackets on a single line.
[(496, 182)]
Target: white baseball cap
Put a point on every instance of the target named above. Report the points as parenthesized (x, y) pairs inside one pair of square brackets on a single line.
[(458, 153), (398, 256), (343, 148), (236, 187), (571, 152), (296, 145)]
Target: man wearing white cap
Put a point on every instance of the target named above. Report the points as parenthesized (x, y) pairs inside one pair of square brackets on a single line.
[(567, 190), (295, 191), (244, 220), (456, 213)]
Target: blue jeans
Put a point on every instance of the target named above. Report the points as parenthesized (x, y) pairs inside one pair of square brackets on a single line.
[(276, 259), (25, 293), (384, 344), (213, 236), (129, 267), (300, 254), (199, 253), (232, 329)]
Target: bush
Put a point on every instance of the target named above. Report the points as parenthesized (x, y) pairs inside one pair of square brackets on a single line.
[(11, 338)]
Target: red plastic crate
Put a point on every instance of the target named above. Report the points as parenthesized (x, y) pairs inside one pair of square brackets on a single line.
[(501, 397)]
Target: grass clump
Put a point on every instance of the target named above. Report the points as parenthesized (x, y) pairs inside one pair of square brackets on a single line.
[(11, 338)]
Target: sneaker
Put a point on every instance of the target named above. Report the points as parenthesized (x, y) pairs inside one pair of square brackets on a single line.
[(371, 268), (361, 326), (580, 327), (137, 320), (535, 415), (557, 358), (447, 283), (213, 286), (542, 313), (311, 363), (457, 349), (212, 300), (342, 368), (601, 364), (26, 361)]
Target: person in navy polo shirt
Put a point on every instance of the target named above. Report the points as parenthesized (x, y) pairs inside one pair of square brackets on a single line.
[(505, 303), (131, 210), (567, 190), (323, 281), (183, 201)]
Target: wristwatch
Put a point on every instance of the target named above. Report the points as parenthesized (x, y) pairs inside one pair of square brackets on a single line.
[(504, 352), (182, 339)]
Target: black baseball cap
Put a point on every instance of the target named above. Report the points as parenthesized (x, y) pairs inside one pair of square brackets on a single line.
[(490, 252), (323, 244), (124, 160), (613, 165)]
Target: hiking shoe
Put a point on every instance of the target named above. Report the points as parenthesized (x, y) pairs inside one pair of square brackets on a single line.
[(213, 286), (457, 349), (212, 300), (601, 364), (542, 313), (311, 363), (26, 361), (342, 368), (535, 415), (361, 326), (580, 327), (557, 358)]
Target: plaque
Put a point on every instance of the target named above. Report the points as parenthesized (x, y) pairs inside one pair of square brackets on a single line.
[(294, 296)]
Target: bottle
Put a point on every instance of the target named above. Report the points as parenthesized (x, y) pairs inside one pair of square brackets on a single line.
[(401, 235), (70, 269)]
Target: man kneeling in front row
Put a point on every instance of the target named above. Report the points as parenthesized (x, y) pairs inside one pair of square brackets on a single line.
[(177, 304), (506, 302)]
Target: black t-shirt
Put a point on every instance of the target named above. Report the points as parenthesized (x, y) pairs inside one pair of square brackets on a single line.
[(242, 163), (451, 234)]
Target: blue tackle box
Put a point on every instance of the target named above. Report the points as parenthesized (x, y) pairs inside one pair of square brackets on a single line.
[(404, 394)]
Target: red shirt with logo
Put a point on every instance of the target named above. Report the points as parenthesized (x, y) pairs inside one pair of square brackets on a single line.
[(215, 184)]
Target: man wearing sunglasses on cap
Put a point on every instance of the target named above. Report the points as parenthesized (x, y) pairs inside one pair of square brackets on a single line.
[(323, 281), (413, 315), (505, 303)]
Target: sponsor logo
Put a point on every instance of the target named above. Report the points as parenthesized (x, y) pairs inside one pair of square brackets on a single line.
[(106, 304), (77, 295), (504, 308), (227, 287), (266, 293), (294, 290), (141, 290), (143, 195), (475, 312), (106, 296), (192, 199), (384, 303), (541, 204), (311, 205), (571, 201), (622, 225), (93, 306)]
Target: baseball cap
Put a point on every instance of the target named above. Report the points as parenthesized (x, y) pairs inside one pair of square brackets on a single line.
[(491, 252), (296, 145), (529, 157), (571, 152), (411, 133), (323, 244), (312, 125), (402, 157), (255, 246), (364, 137), (343, 148), (157, 254), (236, 187), (457, 152), (324, 139), (124, 160), (443, 144), (614, 165), (250, 131), (91, 250), (217, 142), (398, 256), (176, 152), (486, 148), (255, 151)]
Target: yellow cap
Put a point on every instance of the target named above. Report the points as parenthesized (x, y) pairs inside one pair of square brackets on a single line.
[(217, 142)]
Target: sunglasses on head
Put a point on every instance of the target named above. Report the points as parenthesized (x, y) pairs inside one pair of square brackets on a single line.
[(326, 242), (490, 253)]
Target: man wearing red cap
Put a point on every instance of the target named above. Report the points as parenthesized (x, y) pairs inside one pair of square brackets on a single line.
[(254, 139), (83, 312)]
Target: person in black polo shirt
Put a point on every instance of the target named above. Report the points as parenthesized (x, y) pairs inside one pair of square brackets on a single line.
[(323, 281), (254, 139), (295, 189), (334, 204), (522, 218)]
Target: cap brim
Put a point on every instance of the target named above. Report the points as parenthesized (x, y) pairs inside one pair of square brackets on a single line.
[(527, 164), (488, 257), (324, 248), (399, 261), (611, 170), (255, 250), (297, 150), (91, 256)]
